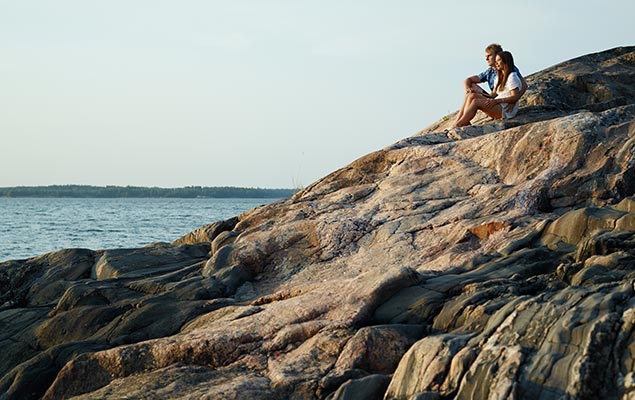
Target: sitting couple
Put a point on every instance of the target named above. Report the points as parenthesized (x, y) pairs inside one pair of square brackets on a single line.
[(505, 82)]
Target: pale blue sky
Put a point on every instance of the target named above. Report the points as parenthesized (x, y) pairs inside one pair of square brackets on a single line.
[(253, 93)]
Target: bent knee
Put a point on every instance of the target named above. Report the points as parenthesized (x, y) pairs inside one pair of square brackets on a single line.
[(472, 96)]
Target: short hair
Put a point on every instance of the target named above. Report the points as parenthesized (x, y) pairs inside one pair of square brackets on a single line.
[(494, 48)]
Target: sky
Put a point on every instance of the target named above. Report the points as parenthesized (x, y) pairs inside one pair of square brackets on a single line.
[(260, 93)]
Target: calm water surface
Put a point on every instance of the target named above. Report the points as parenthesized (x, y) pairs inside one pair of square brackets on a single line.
[(33, 226)]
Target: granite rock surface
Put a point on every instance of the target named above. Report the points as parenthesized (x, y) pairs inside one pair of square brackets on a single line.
[(494, 261)]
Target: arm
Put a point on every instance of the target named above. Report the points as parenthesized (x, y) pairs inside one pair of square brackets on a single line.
[(469, 82), (511, 99), (520, 87)]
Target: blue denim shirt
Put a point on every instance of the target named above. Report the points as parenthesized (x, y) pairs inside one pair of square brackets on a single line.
[(489, 76)]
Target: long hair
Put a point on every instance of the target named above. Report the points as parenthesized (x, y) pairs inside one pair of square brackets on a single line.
[(508, 68)]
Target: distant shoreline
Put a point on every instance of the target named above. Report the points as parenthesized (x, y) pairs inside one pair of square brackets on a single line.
[(187, 192)]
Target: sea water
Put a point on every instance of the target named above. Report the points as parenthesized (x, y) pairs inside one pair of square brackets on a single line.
[(33, 226)]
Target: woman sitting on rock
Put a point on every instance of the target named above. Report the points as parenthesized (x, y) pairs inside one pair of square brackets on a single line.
[(503, 103)]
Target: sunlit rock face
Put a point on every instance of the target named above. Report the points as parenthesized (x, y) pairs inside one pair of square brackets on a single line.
[(492, 261)]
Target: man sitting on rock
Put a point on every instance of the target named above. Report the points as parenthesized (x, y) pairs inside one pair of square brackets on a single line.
[(489, 75)]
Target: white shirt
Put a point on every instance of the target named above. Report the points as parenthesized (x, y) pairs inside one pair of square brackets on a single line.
[(513, 82)]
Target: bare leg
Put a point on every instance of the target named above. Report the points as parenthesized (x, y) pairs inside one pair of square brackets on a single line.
[(468, 112), (459, 115), (475, 89), (474, 103)]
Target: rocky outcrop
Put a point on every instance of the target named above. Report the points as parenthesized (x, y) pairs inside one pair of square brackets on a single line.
[(492, 261)]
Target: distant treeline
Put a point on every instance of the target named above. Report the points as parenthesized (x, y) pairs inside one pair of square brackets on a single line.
[(136, 191)]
